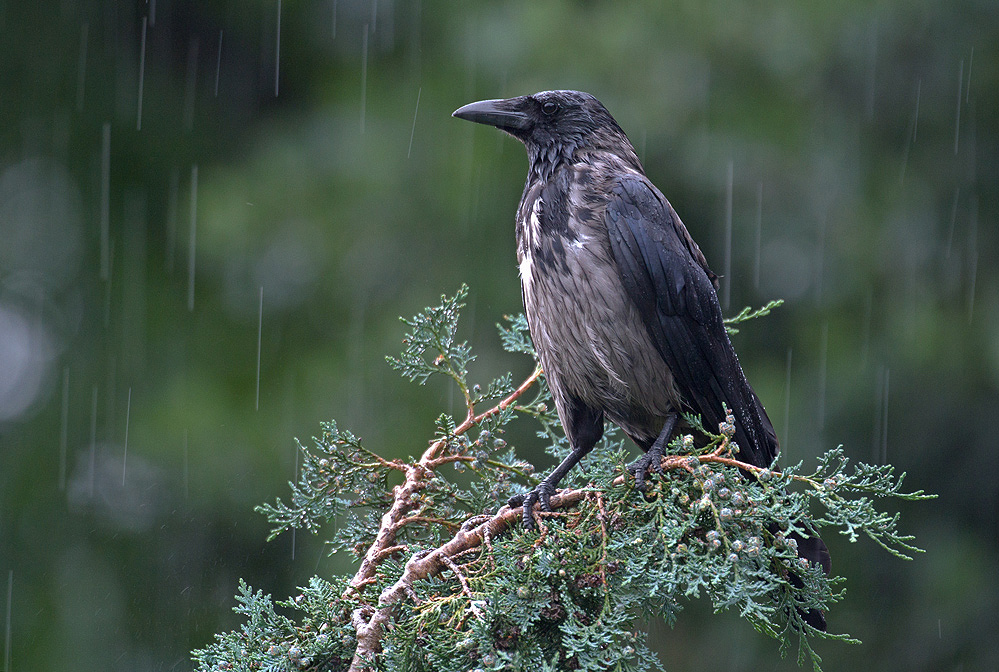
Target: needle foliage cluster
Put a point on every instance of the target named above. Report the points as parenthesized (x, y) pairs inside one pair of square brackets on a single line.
[(450, 581)]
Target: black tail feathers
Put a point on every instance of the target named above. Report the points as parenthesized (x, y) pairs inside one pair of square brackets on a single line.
[(814, 550)]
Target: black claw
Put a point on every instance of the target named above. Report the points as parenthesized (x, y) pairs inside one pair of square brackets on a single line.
[(542, 494), (649, 463)]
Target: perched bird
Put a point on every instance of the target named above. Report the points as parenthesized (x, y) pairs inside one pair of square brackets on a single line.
[(621, 304)]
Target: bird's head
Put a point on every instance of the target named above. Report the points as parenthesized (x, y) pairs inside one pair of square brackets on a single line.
[(553, 125)]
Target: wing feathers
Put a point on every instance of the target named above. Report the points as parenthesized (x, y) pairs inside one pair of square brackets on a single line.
[(665, 275)]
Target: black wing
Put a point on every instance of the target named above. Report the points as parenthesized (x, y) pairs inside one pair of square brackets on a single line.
[(664, 273)]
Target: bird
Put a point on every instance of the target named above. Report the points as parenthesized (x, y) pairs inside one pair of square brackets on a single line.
[(620, 302)]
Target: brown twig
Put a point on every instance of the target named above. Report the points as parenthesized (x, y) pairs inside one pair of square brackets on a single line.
[(465, 588), (370, 622), (422, 566), (369, 627)]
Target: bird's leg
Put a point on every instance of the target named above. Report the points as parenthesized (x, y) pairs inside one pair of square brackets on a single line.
[(583, 427), (544, 490), (651, 462)]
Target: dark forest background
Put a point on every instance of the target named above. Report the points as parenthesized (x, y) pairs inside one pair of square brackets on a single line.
[(212, 213)]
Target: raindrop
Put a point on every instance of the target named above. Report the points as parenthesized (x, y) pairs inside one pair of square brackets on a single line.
[(10, 600), (957, 116), (142, 74), (81, 68), (277, 51), (972, 257), (105, 200), (953, 220), (967, 87), (107, 287), (364, 73), (866, 328), (152, 13), (413, 131), (124, 459), (218, 65), (787, 402), (191, 242), (93, 440), (374, 15), (64, 429), (911, 137), (884, 420), (333, 36), (727, 273), (186, 479), (879, 449), (171, 219), (293, 530), (190, 84), (823, 367), (820, 255), (872, 60), (759, 235), (260, 331)]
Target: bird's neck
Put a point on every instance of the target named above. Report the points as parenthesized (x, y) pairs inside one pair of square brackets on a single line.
[(546, 160)]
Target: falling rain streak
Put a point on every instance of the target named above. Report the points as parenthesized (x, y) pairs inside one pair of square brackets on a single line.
[(142, 75), (759, 235), (412, 132), (107, 287), (81, 68), (787, 403), (953, 221), (260, 332), (218, 65), (727, 273), (277, 51), (6, 639), (173, 191), (972, 257), (128, 413), (911, 137), (187, 482), (879, 448), (93, 441), (820, 257), (193, 238), (364, 73), (823, 369), (105, 200), (957, 116), (64, 429), (967, 87), (190, 84), (294, 529)]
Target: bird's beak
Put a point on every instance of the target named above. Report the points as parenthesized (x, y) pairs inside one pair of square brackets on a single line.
[(503, 114)]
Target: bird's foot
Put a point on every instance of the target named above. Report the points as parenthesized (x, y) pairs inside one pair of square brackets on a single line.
[(542, 493), (649, 463)]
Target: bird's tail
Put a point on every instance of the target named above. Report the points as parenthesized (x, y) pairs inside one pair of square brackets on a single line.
[(758, 435), (814, 550)]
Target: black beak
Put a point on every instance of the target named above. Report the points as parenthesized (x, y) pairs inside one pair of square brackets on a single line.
[(503, 114)]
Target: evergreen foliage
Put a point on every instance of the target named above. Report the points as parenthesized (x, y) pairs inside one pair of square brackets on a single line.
[(448, 579)]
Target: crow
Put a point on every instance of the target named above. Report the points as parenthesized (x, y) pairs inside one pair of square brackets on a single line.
[(621, 304)]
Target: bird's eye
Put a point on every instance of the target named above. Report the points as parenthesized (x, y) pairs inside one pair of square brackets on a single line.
[(549, 108)]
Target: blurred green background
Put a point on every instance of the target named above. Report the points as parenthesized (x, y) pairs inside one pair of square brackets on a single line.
[(192, 192)]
